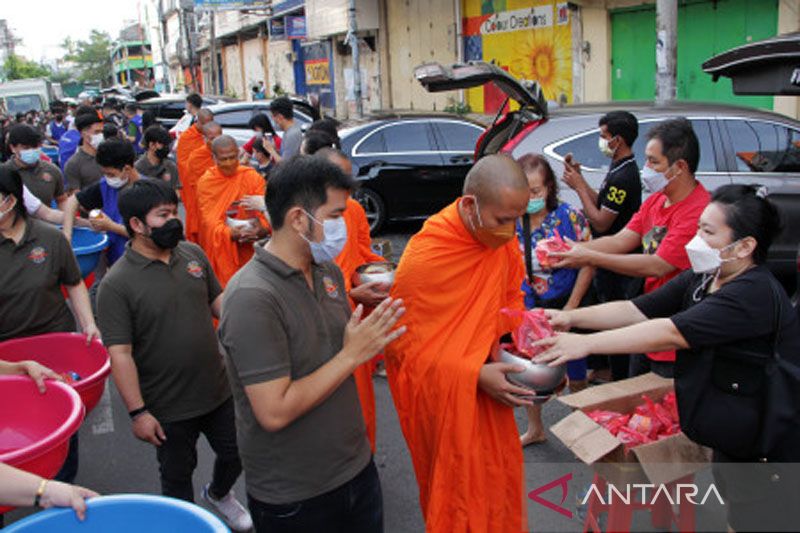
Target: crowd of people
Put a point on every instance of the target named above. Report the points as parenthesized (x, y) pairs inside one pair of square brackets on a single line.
[(240, 320)]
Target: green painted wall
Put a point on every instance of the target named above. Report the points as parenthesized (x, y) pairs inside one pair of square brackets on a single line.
[(705, 28)]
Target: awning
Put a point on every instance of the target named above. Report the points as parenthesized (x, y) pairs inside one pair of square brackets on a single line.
[(768, 67)]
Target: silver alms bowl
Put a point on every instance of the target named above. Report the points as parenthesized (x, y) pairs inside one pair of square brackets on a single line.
[(386, 276), (542, 379)]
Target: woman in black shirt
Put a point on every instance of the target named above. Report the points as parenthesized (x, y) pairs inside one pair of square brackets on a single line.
[(726, 305)]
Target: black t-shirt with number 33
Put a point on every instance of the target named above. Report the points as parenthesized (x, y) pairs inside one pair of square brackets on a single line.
[(621, 193)]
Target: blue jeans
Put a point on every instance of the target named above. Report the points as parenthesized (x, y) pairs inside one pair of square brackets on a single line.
[(355, 507)]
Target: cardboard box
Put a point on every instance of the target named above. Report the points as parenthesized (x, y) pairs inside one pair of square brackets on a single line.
[(659, 462)]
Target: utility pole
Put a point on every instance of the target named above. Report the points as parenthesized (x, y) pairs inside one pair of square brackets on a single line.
[(666, 50), (212, 47), (353, 41)]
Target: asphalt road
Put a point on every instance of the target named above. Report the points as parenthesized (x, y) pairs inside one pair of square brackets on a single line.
[(113, 461)]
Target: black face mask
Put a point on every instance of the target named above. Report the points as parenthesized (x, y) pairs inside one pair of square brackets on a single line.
[(169, 235), (59, 118), (162, 153)]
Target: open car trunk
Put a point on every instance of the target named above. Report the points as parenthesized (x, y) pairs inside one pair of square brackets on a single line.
[(435, 77)]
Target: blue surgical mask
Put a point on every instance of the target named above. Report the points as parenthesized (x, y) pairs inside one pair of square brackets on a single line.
[(30, 156), (535, 205), (333, 240)]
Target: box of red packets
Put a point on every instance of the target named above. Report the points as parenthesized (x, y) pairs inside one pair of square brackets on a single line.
[(630, 423)]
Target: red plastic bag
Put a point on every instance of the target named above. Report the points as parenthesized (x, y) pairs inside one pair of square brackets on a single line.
[(546, 246), (534, 326)]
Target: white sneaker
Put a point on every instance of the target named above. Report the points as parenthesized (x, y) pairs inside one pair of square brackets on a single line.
[(233, 512)]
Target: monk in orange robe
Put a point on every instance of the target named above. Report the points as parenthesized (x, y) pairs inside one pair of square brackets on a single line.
[(454, 403), (189, 141), (228, 248), (199, 162), (356, 252)]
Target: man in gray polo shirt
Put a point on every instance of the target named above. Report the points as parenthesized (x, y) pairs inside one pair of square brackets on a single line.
[(283, 114), (82, 170), (291, 346), (155, 310)]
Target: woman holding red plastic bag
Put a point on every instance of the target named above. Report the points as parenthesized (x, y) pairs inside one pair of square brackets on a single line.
[(737, 371), (546, 225)]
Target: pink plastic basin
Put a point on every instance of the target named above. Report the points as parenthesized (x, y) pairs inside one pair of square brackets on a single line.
[(65, 353), (35, 428)]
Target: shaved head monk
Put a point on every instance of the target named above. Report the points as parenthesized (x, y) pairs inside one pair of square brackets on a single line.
[(189, 141), (356, 252), (454, 404), (226, 230), (200, 160)]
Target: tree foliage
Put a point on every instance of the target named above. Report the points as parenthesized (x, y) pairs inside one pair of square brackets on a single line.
[(92, 57), (18, 68)]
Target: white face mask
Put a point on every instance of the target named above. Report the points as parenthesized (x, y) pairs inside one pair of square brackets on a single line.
[(95, 140), (653, 180), (606, 150), (116, 183), (333, 240), (703, 258)]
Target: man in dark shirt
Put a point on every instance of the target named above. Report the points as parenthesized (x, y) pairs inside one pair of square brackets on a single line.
[(610, 209), (156, 307), (291, 346), (155, 163), (82, 169), (43, 179)]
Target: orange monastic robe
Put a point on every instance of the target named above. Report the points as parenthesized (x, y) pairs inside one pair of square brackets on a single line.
[(464, 444), (189, 141), (215, 193), (356, 252), (199, 162)]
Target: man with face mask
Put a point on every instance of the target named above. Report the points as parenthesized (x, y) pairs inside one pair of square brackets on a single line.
[(291, 345), (156, 306), (456, 407), (58, 126), (196, 164), (228, 240), (99, 200), (662, 227), (41, 178), (155, 161), (71, 139), (609, 209), (82, 170)]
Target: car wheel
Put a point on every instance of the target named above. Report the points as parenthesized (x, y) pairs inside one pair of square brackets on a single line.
[(374, 207)]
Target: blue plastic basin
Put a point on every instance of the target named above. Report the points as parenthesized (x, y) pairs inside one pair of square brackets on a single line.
[(124, 513), (52, 153), (87, 246)]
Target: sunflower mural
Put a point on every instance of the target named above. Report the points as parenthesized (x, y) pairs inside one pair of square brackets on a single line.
[(530, 39)]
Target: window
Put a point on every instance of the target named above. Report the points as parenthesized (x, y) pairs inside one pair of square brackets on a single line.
[(764, 147), (702, 128), (373, 144), (586, 151), (408, 137), (457, 137), (237, 118)]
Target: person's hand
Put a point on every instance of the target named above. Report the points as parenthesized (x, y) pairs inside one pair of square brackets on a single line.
[(578, 256), (269, 146), (148, 429), (370, 294), (57, 494), (101, 222), (561, 348), (253, 202), (572, 176), (492, 380), (91, 333), (38, 373), (363, 339), (252, 233), (559, 320)]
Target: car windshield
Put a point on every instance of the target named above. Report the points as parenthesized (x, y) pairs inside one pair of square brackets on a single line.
[(23, 103)]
